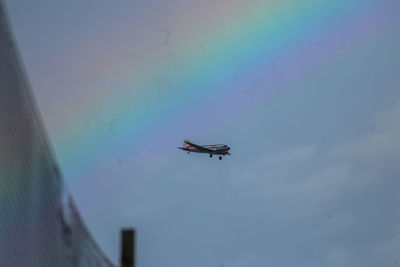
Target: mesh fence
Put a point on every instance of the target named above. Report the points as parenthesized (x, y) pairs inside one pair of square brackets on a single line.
[(39, 223)]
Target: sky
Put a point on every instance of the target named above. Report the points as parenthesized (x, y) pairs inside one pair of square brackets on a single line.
[(306, 94)]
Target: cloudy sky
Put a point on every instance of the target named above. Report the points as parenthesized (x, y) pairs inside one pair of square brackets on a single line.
[(306, 93)]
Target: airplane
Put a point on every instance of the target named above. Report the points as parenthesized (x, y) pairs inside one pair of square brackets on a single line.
[(221, 150)]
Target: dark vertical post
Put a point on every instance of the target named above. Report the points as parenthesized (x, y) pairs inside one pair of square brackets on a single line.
[(128, 248)]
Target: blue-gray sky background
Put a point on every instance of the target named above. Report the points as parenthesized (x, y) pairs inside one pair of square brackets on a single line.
[(306, 94)]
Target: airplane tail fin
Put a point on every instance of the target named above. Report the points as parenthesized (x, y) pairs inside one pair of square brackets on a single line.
[(185, 143)]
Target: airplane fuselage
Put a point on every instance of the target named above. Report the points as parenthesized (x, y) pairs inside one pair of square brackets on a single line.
[(220, 150), (214, 149)]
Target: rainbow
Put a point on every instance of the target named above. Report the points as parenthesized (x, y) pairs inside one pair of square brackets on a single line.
[(240, 42)]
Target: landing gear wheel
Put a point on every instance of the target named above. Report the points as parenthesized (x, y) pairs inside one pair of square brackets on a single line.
[(210, 155), (220, 157)]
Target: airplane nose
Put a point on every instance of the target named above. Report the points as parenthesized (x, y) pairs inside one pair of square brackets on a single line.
[(229, 148)]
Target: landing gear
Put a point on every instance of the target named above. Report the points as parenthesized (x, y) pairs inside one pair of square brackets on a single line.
[(210, 155), (220, 157)]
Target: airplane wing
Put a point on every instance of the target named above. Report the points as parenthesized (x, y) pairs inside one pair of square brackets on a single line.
[(201, 148)]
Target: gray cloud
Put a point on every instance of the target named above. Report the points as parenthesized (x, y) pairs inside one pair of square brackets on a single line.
[(342, 198)]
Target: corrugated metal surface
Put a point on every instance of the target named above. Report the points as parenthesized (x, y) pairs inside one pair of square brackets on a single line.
[(39, 224)]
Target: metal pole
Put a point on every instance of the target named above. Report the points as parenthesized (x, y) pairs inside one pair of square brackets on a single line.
[(128, 247)]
